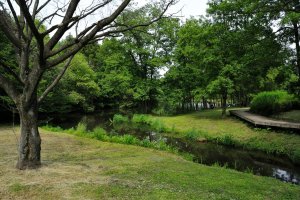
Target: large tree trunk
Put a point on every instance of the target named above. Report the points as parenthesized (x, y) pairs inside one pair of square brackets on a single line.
[(30, 141)]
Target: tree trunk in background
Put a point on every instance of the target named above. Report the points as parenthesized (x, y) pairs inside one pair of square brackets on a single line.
[(30, 141), (296, 35), (224, 104), (204, 103)]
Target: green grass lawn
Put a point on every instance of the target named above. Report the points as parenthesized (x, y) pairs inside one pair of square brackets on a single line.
[(210, 125), (80, 168)]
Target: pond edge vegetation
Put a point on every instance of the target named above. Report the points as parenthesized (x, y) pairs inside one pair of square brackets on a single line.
[(100, 134), (226, 139), (194, 134)]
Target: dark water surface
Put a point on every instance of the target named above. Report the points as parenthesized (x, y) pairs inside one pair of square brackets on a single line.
[(256, 162)]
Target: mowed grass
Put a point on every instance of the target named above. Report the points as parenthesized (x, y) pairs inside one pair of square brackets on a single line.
[(210, 124), (80, 168)]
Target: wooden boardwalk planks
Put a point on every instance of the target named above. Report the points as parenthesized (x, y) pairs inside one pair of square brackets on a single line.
[(259, 120)]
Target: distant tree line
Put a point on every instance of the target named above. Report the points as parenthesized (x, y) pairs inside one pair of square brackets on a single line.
[(241, 48)]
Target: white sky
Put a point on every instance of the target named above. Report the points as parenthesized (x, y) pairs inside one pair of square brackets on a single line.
[(190, 8)]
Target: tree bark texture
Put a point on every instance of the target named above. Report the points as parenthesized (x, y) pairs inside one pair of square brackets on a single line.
[(30, 141)]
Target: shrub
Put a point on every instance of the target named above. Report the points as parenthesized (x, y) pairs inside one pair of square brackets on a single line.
[(100, 134), (269, 103), (158, 125), (296, 156), (142, 119), (162, 145), (81, 129), (228, 140), (118, 119), (155, 124), (52, 128), (128, 139), (146, 143), (192, 135)]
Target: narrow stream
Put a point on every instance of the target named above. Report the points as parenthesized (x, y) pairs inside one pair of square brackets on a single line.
[(258, 163), (255, 162)]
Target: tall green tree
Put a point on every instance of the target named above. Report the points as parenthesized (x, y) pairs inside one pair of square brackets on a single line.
[(280, 17), (114, 77), (150, 49), (128, 67), (189, 73), (77, 90)]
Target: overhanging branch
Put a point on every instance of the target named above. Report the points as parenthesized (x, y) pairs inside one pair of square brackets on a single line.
[(62, 29), (90, 36), (9, 70), (56, 80), (7, 27), (8, 86)]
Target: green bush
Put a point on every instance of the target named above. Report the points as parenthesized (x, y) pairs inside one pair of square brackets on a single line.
[(158, 126), (226, 139), (52, 128), (100, 134), (148, 120), (192, 134), (142, 119), (81, 129), (118, 119), (126, 139), (269, 103)]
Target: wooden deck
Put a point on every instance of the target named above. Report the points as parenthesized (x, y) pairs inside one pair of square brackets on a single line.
[(259, 120)]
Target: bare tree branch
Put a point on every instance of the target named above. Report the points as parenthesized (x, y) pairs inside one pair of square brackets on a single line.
[(20, 30), (59, 25), (9, 70), (7, 27), (42, 6), (128, 28), (34, 11), (91, 11), (33, 29), (56, 80), (99, 25), (62, 29), (52, 15), (9, 88), (72, 43), (30, 21)]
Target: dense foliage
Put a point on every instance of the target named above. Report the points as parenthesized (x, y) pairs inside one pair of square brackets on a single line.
[(273, 102)]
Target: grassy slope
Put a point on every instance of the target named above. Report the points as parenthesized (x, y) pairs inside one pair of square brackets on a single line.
[(211, 124), (78, 168)]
